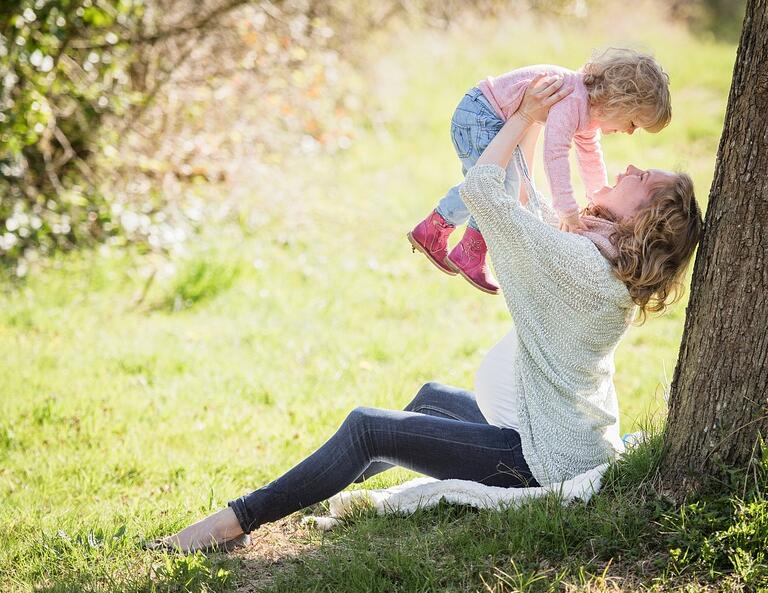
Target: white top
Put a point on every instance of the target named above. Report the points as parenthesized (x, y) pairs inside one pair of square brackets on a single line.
[(494, 388), (570, 311)]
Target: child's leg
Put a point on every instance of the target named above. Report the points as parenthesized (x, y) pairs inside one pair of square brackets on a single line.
[(473, 126), (452, 208), (468, 257)]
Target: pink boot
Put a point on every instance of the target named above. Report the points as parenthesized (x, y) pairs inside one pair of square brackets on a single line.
[(430, 237), (468, 258)]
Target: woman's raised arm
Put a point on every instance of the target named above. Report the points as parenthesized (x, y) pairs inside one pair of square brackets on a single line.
[(542, 93), (525, 250)]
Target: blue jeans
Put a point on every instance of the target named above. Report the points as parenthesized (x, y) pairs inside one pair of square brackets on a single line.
[(473, 126), (441, 433)]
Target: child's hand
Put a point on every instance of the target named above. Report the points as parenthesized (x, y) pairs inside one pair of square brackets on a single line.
[(571, 223)]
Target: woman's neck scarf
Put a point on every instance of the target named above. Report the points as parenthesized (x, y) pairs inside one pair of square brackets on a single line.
[(599, 231)]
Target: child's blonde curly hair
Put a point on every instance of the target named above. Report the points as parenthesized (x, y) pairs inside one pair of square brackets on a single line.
[(627, 83), (656, 243)]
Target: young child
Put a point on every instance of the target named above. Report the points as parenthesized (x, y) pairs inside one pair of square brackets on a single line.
[(618, 90)]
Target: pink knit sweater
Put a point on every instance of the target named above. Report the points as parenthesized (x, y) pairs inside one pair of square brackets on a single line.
[(568, 121)]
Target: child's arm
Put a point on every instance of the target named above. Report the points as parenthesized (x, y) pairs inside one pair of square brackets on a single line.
[(558, 134), (591, 163), (523, 247)]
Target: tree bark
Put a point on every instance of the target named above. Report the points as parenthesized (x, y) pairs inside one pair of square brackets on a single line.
[(718, 402)]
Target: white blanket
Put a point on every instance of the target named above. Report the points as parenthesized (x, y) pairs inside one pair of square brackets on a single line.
[(427, 492)]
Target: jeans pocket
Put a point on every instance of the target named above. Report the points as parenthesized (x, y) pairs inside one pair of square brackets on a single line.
[(483, 136), (462, 140)]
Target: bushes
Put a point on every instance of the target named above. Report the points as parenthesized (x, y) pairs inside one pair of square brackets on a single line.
[(62, 76), (111, 111)]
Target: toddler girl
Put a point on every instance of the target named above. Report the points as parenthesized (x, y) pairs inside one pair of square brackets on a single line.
[(618, 90)]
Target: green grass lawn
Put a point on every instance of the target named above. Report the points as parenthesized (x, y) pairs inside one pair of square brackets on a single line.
[(122, 420)]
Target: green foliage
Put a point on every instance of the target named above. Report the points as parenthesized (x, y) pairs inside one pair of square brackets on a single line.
[(191, 574), (725, 534), (200, 279), (63, 74), (76, 76), (115, 415), (723, 18)]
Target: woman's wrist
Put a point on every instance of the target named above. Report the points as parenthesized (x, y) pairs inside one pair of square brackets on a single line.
[(523, 116), (499, 150)]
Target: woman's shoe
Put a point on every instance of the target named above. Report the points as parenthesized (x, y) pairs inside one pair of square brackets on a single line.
[(430, 237), (468, 259), (167, 546)]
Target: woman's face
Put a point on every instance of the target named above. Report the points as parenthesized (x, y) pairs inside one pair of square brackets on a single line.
[(631, 191)]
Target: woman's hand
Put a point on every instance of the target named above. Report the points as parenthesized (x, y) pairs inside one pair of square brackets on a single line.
[(543, 92)]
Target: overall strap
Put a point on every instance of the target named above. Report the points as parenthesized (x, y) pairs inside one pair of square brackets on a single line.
[(534, 197)]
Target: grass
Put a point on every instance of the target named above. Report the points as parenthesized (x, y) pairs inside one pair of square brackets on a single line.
[(139, 395), (628, 538)]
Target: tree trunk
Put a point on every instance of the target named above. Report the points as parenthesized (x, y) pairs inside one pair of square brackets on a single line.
[(717, 403)]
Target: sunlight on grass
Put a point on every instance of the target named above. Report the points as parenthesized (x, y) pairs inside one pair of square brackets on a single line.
[(120, 422), (198, 280)]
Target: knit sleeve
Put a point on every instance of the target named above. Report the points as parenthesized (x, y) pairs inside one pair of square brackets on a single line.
[(538, 266), (591, 164), (569, 313)]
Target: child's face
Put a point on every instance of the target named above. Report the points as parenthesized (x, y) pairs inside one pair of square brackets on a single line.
[(632, 190), (611, 125)]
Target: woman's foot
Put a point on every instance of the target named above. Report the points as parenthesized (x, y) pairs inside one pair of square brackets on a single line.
[(220, 531)]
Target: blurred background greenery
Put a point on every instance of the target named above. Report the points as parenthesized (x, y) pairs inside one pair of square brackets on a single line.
[(111, 111), (203, 208)]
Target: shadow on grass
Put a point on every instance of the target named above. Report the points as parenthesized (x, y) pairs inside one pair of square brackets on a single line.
[(277, 548), (628, 537)]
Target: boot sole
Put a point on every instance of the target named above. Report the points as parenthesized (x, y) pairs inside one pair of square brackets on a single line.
[(415, 244), (459, 271)]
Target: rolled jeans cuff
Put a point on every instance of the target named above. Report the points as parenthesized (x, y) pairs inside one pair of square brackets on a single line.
[(238, 506)]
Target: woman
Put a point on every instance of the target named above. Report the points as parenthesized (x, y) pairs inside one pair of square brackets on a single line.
[(546, 408)]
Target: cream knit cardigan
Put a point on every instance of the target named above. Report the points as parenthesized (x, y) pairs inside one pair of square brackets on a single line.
[(569, 311)]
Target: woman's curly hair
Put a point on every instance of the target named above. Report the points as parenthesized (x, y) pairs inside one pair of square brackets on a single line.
[(656, 243), (627, 83)]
